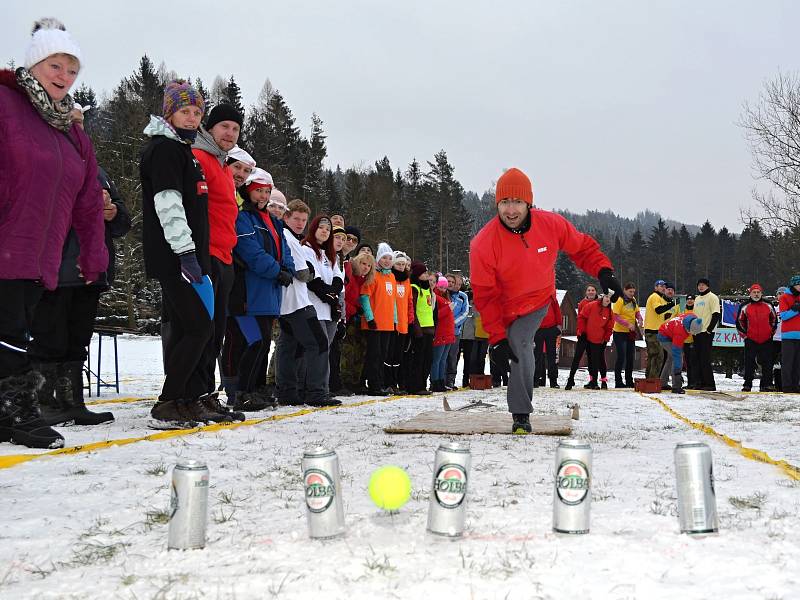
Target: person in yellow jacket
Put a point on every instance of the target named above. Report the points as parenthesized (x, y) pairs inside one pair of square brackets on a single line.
[(657, 305), (627, 319)]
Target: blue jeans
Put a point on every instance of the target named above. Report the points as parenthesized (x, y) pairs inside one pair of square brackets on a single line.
[(439, 365)]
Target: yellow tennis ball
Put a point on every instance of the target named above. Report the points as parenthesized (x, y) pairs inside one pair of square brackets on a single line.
[(389, 487)]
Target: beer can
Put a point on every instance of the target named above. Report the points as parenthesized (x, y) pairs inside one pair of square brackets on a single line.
[(447, 508), (188, 505), (572, 495), (697, 500), (323, 493)]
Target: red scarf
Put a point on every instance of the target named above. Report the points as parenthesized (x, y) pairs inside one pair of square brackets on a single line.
[(271, 226)]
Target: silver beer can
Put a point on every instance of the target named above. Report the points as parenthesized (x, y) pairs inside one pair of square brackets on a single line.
[(323, 492), (188, 505), (697, 500), (447, 508), (572, 495)]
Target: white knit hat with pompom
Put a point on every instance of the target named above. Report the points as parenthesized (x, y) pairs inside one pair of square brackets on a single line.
[(49, 36)]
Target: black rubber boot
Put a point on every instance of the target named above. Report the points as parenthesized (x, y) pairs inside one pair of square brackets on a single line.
[(69, 394), (20, 420)]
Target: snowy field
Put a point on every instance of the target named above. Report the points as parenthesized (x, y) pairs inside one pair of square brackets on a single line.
[(92, 524)]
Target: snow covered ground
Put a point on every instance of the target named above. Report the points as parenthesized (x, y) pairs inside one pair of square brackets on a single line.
[(92, 524)]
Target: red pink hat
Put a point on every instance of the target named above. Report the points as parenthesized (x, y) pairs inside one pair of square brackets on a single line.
[(756, 286)]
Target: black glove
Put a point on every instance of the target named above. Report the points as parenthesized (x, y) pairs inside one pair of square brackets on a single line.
[(341, 331), (504, 347), (190, 268), (336, 312), (317, 286), (609, 282), (372, 324), (336, 286), (285, 277), (331, 300), (310, 267)]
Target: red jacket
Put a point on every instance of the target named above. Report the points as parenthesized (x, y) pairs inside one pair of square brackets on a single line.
[(675, 330), (596, 321), (757, 321), (352, 291), (513, 274), (222, 207), (445, 322), (791, 325)]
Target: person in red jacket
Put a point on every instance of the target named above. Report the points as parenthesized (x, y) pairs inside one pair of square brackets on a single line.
[(512, 267), (596, 320), (444, 336), (756, 321), (672, 335), (211, 148), (590, 295)]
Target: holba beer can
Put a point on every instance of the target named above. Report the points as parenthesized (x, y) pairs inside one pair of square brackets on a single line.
[(188, 505), (572, 497), (323, 492), (697, 501), (447, 508)]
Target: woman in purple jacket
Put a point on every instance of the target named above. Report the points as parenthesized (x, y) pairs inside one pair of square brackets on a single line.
[(48, 183)]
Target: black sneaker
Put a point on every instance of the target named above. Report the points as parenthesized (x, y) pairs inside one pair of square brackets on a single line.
[(555, 385), (747, 387), (212, 403), (324, 402), (592, 385), (604, 385), (522, 424), (570, 384), (253, 402), (678, 391), (20, 420)]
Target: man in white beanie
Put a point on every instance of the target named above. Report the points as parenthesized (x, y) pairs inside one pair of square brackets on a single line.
[(242, 166)]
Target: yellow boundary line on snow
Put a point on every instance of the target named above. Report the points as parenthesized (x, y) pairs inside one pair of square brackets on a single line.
[(12, 460), (788, 469), (120, 400)]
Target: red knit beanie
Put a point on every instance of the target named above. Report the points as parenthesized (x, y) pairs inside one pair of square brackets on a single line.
[(514, 184)]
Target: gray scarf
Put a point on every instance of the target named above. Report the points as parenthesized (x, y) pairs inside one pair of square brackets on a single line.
[(56, 114)]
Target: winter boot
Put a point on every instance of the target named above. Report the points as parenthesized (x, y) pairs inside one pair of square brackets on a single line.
[(604, 383), (554, 383), (629, 379), (592, 384), (172, 414), (226, 415), (328, 401), (73, 371), (570, 383), (46, 396), (522, 423), (748, 386), (198, 411), (20, 419), (678, 390)]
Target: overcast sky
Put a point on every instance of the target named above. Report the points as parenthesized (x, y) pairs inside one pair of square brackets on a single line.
[(609, 105)]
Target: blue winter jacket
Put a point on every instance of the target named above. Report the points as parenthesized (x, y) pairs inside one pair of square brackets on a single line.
[(256, 248), (460, 310)]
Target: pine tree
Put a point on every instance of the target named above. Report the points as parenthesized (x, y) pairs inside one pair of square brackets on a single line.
[(635, 267), (705, 245), (198, 84), (233, 95)]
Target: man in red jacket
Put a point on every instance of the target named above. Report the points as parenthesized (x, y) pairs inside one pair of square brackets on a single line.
[(512, 268), (211, 150), (757, 321)]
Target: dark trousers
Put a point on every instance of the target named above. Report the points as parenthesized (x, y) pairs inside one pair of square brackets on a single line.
[(378, 344), (580, 349), (692, 376), (763, 353), (597, 360), (790, 365), (465, 348), (301, 336), (253, 364), (498, 366), (394, 374), (353, 350), (421, 360), (702, 346), (222, 277), (626, 350), (477, 356), (63, 323), (334, 362), (186, 355), (18, 299), (544, 353), (233, 347), (453, 355)]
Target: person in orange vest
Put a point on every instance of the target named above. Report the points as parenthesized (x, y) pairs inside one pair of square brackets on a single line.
[(512, 264), (379, 302), (396, 371)]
